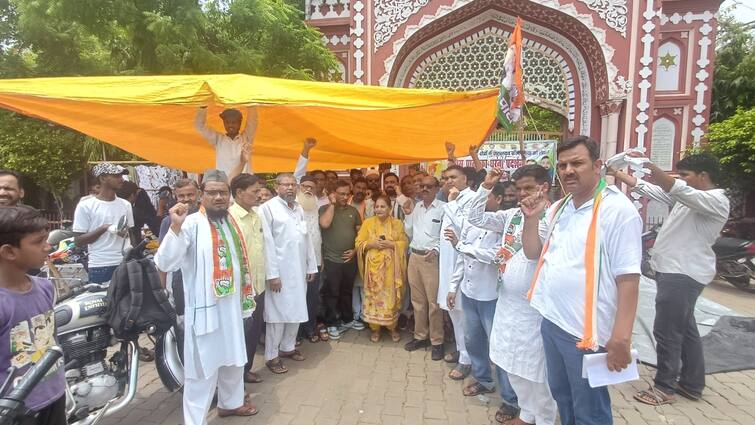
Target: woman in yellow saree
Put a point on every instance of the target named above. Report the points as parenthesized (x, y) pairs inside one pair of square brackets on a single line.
[(381, 248)]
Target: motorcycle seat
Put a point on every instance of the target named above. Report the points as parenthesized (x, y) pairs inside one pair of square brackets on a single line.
[(730, 245)]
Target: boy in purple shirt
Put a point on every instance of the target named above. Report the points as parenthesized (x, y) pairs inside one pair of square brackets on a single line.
[(27, 320)]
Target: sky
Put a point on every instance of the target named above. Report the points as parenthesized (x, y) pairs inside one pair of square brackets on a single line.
[(744, 10)]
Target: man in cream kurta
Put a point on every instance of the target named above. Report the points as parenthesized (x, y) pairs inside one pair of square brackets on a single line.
[(516, 346), (291, 264), (211, 321)]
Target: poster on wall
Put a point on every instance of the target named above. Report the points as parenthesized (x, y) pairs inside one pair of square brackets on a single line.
[(506, 156)]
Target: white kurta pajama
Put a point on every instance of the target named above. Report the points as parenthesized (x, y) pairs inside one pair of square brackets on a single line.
[(516, 344), (289, 256), (214, 347), (454, 214)]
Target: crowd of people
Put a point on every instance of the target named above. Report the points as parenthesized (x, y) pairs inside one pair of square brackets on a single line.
[(527, 284)]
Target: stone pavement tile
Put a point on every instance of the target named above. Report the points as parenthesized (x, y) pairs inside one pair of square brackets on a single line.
[(415, 383), (393, 406), (709, 411), (436, 422), (632, 416), (306, 414), (434, 410), (323, 422), (412, 415), (456, 417), (433, 393), (414, 398), (281, 419)]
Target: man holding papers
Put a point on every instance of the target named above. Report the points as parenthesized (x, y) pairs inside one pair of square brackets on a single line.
[(586, 281)]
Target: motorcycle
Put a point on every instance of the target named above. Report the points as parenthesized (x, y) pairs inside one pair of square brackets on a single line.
[(648, 241), (98, 386), (12, 407), (735, 258), (735, 261)]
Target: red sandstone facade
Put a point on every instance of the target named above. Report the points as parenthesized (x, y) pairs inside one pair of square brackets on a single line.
[(626, 72)]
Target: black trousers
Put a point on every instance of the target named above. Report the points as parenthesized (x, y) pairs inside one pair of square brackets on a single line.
[(337, 291), (679, 348), (307, 329), (253, 330), (53, 414)]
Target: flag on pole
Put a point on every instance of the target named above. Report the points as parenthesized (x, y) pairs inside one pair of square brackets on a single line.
[(511, 96)]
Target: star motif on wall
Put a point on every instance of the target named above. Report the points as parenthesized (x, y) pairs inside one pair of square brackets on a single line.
[(668, 61)]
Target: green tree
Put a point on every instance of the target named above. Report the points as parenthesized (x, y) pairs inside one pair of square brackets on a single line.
[(140, 37), (734, 74), (42, 152), (733, 142)]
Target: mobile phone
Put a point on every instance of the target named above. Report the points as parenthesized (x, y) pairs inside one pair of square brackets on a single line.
[(382, 237)]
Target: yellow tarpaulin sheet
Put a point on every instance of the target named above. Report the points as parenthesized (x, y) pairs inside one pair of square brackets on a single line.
[(355, 126)]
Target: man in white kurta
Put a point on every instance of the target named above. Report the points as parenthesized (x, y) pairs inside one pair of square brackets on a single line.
[(516, 345), (214, 348), (291, 265), (454, 213)]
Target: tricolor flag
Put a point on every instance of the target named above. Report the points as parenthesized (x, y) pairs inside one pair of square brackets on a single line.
[(511, 97)]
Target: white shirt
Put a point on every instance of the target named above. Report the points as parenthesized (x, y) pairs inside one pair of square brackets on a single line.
[(423, 226), (475, 271), (689, 232), (227, 150), (289, 256), (560, 292), (93, 213)]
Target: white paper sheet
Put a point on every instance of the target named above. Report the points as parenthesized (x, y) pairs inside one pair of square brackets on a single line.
[(595, 369)]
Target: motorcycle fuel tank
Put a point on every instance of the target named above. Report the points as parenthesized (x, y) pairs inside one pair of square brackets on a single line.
[(82, 311)]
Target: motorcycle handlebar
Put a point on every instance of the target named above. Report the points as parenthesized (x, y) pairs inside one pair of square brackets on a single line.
[(35, 374)]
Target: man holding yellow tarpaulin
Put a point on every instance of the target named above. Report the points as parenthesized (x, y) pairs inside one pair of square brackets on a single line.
[(232, 148)]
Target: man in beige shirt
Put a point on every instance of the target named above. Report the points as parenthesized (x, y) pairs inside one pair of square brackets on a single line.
[(245, 189)]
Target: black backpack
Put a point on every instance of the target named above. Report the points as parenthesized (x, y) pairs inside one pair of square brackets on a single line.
[(137, 301)]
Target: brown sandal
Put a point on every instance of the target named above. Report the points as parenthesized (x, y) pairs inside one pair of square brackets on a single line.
[(252, 378), (477, 388), (395, 335), (247, 409), (375, 337), (293, 355), (323, 332), (654, 397), (276, 366)]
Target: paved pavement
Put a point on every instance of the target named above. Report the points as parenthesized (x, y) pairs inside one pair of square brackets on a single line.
[(353, 381)]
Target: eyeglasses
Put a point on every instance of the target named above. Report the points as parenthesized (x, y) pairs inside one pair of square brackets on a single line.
[(427, 186), (217, 193)]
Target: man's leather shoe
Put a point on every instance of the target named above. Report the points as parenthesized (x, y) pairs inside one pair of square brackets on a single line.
[(437, 352), (416, 344)]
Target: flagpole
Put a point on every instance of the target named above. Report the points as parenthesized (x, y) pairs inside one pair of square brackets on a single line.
[(520, 131)]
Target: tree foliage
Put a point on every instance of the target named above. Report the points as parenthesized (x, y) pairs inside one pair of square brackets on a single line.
[(734, 74), (733, 142), (140, 37)]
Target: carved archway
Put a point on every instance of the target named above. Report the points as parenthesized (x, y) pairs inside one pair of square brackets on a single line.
[(476, 61)]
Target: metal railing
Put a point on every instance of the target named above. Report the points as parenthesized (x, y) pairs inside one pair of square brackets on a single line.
[(529, 136)]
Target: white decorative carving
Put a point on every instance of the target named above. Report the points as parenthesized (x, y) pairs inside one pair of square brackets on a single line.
[(358, 31), (570, 48), (644, 85), (335, 40), (568, 9), (614, 12), (326, 9), (390, 14)]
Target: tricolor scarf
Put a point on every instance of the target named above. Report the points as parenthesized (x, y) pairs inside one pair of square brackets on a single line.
[(592, 266), (222, 268), (512, 242)]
